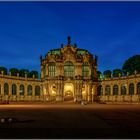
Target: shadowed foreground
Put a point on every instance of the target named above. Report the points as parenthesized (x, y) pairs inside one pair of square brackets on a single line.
[(70, 121)]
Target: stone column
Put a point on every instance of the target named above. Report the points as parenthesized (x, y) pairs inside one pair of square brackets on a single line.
[(61, 90), (33, 91), (111, 88), (79, 90), (46, 69), (57, 70), (75, 90), (10, 92), (135, 88), (89, 92), (127, 90), (103, 86), (86, 90), (18, 88), (58, 91), (119, 89), (93, 92), (25, 92), (47, 95), (2, 89)]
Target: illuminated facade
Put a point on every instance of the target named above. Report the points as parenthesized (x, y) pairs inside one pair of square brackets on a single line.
[(69, 74)]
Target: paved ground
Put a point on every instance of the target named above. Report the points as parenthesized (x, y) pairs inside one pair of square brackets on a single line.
[(70, 121)]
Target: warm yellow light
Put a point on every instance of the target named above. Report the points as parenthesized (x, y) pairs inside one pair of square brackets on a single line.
[(68, 88)]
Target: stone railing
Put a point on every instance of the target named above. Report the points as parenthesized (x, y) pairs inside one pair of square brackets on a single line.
[(19, 78), (121, 77)]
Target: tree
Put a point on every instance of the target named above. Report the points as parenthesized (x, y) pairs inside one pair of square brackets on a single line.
[(99, 75), (107, 74), (22, 72), (131, 64), (116, 72), (14, 71), (4, 70), (35, 73)]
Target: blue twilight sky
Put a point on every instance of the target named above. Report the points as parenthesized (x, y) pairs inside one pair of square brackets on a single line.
[(110, 30)]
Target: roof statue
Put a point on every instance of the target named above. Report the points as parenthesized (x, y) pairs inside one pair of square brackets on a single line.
[(69, 40)]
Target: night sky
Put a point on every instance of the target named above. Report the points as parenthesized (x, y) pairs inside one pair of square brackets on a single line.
[(110, 30)]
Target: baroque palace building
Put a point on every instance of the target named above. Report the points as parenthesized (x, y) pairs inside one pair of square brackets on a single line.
[(70, 74)]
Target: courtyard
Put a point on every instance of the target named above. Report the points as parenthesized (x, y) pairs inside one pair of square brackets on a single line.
[(70, 120)]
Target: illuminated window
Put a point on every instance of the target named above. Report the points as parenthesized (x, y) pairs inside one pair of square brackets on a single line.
[(51, 69), (29, 90), (131, 89), (6, 89), (138, 88), (85, 69), (123, 90), (21, 92), (99, 90), (14, 89), (115, 90), (69, 69), (37, 90), (107, 90)]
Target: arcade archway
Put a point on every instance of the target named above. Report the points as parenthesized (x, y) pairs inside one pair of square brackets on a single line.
[(68, 92)]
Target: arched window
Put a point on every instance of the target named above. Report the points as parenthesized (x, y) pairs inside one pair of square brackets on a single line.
[(29, 90), (51, 69), (123, 90), (99, 90), (69, 69), (85, 69), (115, 90), (6, 89), (131, 89), (14, 89), (37, 90), (107, 90), (21, 91), (138, 88)]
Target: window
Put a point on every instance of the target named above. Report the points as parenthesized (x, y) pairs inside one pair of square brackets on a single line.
[(123, 90), (99, 90), (14, 89), (85, 69), (107, 90), (29, 90), (21, 91), (131, 89), (138, 88), (69, 69), (115, 90), (51, 69), (37, 90), (6, 89)]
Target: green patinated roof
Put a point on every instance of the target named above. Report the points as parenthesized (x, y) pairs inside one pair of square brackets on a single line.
[(82, 51), (55, 51)]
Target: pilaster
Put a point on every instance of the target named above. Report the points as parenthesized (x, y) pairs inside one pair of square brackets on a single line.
[(119, 89), (103, 86), (111, 89), (135, 88)]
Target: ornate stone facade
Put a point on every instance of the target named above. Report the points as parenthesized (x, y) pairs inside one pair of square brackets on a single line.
[(70, 74)]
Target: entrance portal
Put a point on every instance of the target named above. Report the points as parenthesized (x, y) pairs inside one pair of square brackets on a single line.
[(68, 92)]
